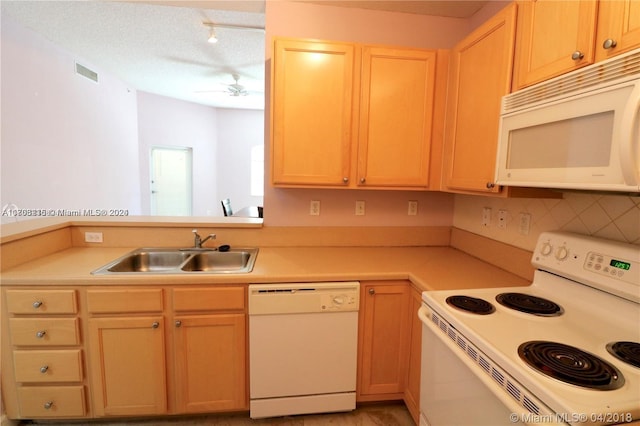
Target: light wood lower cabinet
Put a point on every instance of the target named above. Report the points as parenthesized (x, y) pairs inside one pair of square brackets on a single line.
[(210, 362), (383, 340), (128, 365), (189, 356), (209, 340), (412, 387), (42, 354)]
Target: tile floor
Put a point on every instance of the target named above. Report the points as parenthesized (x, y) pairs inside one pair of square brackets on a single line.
[(365, 415)]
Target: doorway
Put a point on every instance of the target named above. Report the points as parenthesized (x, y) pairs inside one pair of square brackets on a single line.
[(171, 182)]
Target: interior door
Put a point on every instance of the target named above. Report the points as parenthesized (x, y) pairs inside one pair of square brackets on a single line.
[(171, 183)]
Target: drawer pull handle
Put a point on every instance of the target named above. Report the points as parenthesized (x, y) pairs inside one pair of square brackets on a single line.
[(372, 291), (44, 369), (155, 324), (609, 43), (178, 323), (577, 55), (40, 334), (37, 304), (48, 405)]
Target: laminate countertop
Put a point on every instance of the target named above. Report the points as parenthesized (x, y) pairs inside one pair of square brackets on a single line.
[(428, 268)]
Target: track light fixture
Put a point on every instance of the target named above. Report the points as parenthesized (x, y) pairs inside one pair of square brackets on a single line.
[(212, 36), (212, 29)]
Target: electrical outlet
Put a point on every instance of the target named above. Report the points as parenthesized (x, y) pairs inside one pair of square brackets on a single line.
[(486, 216), (525, 223), (314, 208), (359, 208), (502, 219), (413, 208), (93, 237)]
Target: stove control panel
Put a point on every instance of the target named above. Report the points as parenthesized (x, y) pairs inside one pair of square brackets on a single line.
[(608, 265)]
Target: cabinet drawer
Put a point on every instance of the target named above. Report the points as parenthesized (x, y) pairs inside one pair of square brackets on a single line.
[(48, 366), (42, 302), (124, 300), (208, 299), (52, 401), (44, 332)]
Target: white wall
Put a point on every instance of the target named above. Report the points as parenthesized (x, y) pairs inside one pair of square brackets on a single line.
[(167, 122), (67, 142), (239, 130)]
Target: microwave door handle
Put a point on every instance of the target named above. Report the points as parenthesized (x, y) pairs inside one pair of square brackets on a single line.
[(630, 138)]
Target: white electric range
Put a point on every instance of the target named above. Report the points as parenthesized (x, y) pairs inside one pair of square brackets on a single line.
[(564, 350)]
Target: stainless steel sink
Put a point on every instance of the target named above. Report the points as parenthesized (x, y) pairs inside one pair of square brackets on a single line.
[(181, 261), (220, 262)]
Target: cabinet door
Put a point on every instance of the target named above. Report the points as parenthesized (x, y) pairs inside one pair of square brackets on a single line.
[(312, 110), (128, 365), (618, 22), (480, 76), (395, 117), (384, 335), (210, 363), (554, 37), (412, 389)]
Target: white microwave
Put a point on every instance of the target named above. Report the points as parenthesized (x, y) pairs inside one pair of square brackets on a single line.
[(577, 131)]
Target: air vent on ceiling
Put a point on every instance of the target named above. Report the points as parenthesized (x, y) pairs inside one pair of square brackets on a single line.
[(86, 72)]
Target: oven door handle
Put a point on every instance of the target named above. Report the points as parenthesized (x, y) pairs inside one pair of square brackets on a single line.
[(518, 412)]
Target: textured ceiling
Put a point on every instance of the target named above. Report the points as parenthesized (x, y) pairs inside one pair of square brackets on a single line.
[(159, 49), (161, 46)]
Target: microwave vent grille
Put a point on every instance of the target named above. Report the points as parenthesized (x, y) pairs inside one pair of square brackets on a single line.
[(614, 70)]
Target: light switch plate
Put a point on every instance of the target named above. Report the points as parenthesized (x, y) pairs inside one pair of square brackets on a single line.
[(359, 208), (93, 237), (314, 208)]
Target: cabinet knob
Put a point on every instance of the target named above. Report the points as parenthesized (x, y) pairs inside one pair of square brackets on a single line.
[(40, 334), (363, 180), (345, 179), (490, 185), (609, 43), (372, 291), (48, 405), (155, 324), (37, 304), (44, 369), (178, 323), (577, 55)]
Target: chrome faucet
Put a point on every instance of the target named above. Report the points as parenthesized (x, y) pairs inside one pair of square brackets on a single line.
[(198, 241)]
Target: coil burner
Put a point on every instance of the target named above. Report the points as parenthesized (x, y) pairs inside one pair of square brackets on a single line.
[(628, 352), (570, 365), (471, 304), (529, 304)]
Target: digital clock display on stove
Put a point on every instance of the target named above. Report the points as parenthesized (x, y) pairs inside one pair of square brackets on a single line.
[(620, 264)]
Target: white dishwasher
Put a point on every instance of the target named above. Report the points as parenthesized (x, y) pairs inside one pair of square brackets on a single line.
[(303, 340)]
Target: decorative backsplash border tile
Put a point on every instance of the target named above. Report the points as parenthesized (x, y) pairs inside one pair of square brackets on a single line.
[(615, 217)]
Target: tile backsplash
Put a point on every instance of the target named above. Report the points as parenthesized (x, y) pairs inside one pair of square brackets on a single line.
[(615, 217)]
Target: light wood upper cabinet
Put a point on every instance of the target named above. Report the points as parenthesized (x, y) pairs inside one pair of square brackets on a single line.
[(312, 112), (556, 36), (618, 27), (349, 116), (395, 117), (480, 75)]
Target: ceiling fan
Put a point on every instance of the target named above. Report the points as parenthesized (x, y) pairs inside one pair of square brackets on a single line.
[(236, 89)]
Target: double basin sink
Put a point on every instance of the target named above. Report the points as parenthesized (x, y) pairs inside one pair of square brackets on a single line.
[(182, 261)]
